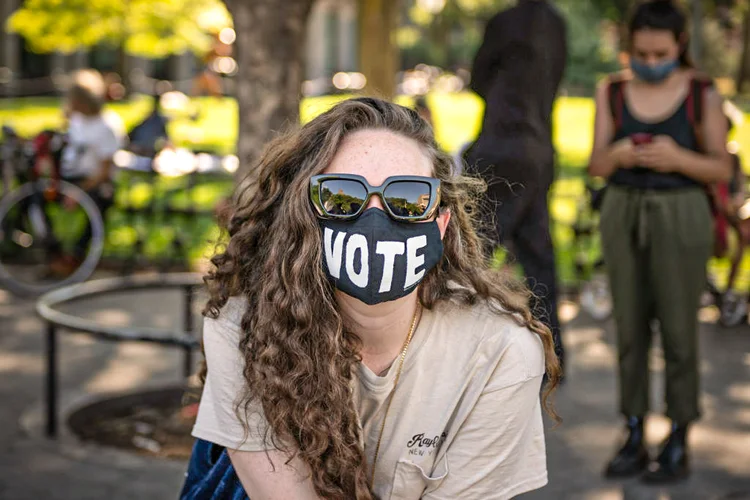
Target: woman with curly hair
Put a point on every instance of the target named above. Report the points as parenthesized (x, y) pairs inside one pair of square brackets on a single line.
[(357, 344)]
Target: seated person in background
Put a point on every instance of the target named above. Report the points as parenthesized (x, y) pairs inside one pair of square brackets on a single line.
[(150, 135), (93, 138)]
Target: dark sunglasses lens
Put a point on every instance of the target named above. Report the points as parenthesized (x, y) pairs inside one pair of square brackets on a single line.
[(342, 196), (408, 198)]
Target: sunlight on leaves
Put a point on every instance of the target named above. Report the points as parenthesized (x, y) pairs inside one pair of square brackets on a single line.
[(148, 28)]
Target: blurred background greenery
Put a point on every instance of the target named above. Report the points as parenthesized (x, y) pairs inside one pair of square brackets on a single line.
[(196, 47)]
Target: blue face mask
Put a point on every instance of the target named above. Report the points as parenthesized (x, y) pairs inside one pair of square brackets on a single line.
[(653, 74)]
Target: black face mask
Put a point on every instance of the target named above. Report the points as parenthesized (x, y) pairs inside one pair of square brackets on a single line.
[(376, 259)]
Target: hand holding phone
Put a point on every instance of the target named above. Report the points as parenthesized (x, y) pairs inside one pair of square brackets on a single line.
[(641, 138), (623, 153)]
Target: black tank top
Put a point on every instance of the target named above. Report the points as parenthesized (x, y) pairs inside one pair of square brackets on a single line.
[(679, 127)]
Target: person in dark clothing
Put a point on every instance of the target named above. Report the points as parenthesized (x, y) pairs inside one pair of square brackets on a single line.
[(149, 136), (517, 71)]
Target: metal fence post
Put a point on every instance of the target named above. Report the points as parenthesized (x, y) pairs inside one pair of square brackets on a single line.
[(51, 386), (188, 327)]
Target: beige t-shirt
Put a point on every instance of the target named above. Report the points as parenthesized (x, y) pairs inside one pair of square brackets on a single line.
[(465, 422)]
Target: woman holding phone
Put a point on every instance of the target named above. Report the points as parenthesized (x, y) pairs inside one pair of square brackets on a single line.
[(659, 139)]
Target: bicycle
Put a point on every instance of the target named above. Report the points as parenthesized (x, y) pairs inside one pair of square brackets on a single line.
[(32, 231)]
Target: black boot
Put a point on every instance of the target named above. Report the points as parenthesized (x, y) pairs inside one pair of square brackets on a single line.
[(672, 463), (633, 457)]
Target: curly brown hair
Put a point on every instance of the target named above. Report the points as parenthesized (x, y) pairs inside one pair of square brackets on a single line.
[(299, 356)]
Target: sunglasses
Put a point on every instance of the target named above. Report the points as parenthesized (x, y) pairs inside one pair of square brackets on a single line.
[(407, 198)]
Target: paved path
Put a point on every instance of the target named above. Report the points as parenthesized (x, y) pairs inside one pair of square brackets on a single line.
[(34, 468)]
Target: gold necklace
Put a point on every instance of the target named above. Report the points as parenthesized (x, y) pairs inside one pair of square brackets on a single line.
[(395, 382)]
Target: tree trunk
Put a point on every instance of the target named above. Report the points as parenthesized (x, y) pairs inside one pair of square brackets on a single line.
[(121, 66), (378, 53), (269, 53), (696, 41), (440, 34), (123, 69), (623, 8), (743, 74), (623, 38)]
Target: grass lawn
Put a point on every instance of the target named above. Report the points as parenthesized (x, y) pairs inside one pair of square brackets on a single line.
[(457, 119)]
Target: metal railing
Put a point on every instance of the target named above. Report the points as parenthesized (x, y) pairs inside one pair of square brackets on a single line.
[(47, 309)]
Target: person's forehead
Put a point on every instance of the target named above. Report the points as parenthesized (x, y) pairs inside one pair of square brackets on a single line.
[(379, 154), (652, 39)]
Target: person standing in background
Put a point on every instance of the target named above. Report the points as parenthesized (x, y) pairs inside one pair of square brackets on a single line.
[(659, 139), (517, 71)]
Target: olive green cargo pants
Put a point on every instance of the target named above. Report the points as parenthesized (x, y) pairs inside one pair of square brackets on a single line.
[(656, 245)]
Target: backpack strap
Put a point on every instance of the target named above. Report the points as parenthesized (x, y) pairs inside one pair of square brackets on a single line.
[(695, 101), (615, 96), (718, 191)]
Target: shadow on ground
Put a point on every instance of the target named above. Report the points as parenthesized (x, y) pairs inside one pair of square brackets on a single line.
[(33, 468)]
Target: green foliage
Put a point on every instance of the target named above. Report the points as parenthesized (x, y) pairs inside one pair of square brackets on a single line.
[(447, 38), (482, 8), (720, 59), (613, 10), (457, 119), (588, 57), (148, 28), (452, 36)]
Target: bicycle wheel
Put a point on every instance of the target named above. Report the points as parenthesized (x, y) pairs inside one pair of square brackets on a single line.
[(23, 218)]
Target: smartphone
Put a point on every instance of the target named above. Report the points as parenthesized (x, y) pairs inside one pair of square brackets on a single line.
[(641, 138)]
